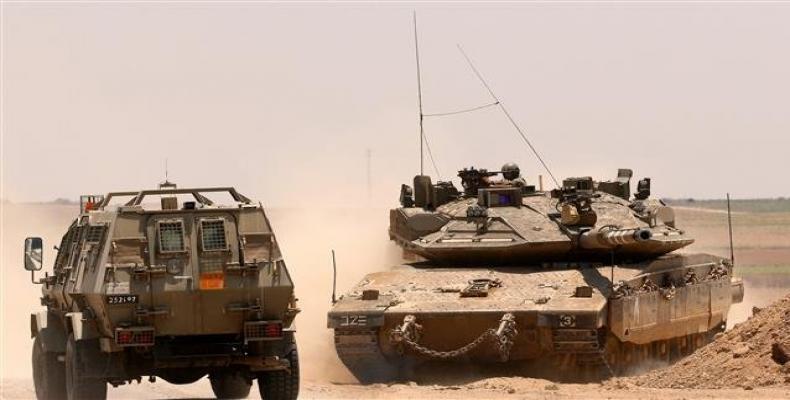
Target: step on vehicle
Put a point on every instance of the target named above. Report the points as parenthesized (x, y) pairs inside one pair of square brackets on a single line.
[(165, 283)]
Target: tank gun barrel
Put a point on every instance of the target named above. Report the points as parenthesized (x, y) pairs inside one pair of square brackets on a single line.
[(608, 239)]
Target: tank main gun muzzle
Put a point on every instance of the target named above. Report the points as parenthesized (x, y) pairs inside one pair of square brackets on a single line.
[(611, 238)]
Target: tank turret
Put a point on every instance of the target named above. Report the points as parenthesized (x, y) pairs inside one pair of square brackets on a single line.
[(503, 220)]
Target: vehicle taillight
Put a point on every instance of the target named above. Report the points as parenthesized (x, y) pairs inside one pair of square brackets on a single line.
[(134, 336), (263, 330)]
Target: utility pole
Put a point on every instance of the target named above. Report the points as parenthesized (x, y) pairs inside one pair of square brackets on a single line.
[(368, 153)]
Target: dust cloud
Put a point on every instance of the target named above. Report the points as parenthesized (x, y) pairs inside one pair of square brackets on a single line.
[(307, 236), (19, 297)]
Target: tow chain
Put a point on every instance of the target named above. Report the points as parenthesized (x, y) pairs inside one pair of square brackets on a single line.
[(503, 336)]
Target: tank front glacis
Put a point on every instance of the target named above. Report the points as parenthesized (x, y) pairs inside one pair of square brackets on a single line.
[(583, 276), (176, 291)]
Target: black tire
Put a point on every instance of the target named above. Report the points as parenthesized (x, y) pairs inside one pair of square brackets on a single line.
[(78, 386), (231, 384), (281, 385), (49, 375)]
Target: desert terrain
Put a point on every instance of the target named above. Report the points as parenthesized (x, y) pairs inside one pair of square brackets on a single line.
[(762, 253)]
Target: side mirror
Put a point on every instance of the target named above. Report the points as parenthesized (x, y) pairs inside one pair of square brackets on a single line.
[(34, 254)]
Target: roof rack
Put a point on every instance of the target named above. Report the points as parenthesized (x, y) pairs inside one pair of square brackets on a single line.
[(195, 192)]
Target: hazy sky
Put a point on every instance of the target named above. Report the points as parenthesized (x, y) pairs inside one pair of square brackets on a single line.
[(283, 101)]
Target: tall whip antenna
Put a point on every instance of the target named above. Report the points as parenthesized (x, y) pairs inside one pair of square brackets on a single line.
[(729, 226), (419, 92), (507, 114), (334, 277)]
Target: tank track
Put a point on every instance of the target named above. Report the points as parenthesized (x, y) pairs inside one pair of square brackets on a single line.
[(628, 358), (359, 351)]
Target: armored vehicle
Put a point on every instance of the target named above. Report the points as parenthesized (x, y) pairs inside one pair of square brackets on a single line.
[(178, 288), (582, 277)]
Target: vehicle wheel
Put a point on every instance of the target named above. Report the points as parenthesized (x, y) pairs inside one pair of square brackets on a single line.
[(232, 384), (281, 385), (78, 386), (49, 375)]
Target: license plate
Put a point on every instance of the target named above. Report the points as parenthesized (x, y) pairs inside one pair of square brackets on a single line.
[(122, 299)]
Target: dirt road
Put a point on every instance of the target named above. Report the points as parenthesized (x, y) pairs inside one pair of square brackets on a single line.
[(506, 388)]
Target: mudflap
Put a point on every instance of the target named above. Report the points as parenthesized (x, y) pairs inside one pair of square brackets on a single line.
[(50, 329), (98, 364)]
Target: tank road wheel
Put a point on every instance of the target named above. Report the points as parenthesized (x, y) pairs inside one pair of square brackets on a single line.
[(230, 384), (78, 386), (49, 375), (281, 385)]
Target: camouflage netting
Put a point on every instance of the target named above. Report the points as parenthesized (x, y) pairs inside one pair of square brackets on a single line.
[(753, 354)]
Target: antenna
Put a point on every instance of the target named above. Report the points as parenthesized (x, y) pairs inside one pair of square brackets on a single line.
[(507, 114), (419, 92), (165, 169), (334, 277), (729, 226)]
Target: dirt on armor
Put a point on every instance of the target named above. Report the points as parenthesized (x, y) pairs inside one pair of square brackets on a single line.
[(753, 354)]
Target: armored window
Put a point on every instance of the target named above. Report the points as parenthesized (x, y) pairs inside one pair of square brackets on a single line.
[(171, 236), (94, 234), (213, 234), (65, 248)]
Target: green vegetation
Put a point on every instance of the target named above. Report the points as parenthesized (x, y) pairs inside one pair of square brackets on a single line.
[(781, 204), (781, 269)]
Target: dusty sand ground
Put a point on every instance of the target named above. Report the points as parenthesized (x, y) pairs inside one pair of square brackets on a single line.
[(749, 355), (508, 388), (360, 239)]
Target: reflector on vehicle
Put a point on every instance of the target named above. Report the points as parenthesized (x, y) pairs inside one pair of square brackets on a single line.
[(263, 330), (134, 336)]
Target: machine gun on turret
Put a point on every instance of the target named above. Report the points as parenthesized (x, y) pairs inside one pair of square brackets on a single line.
[(473, 179)]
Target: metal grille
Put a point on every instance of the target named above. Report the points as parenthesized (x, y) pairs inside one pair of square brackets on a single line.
[(211, 264), (95, 234), (171, 236), (213, 232)]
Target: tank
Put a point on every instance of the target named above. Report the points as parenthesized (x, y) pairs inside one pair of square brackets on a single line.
[(165, 283), (584, 279)]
